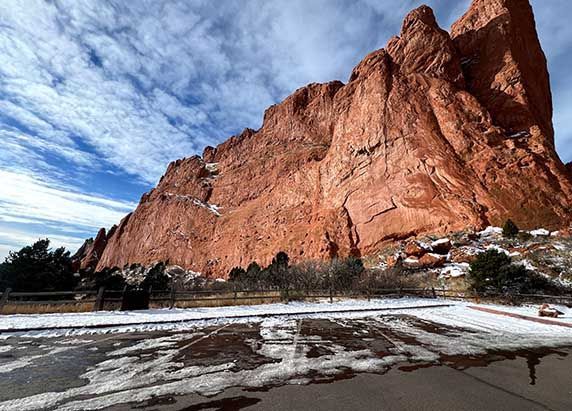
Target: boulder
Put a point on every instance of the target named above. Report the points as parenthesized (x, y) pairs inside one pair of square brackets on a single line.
[(442, 246), (432, 260), (463, 255), (413, 248)]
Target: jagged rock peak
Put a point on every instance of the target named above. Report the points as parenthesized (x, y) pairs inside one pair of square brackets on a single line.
[(505, 67), (435, 133), (88, 255), (423, 47)]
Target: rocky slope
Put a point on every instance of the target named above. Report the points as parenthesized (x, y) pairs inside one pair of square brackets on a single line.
[(442, 261), (435, 133)]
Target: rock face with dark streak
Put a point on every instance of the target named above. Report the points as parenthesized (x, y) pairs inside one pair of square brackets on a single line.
[(89, 254), (434, 133)]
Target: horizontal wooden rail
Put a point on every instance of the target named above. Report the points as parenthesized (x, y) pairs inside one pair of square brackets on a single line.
[(99, 299), (50, 293), (50, 302)]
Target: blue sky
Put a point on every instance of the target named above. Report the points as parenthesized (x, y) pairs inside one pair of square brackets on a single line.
[(98, 96)]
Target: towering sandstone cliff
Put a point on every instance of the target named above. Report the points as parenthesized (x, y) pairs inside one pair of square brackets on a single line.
[(436, 132)]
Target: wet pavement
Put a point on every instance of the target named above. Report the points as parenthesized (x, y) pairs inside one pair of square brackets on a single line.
[(377, 362)]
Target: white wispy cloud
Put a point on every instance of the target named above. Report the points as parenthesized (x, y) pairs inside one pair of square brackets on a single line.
[(42, 209), (26, 197), (143, 83), (555, 33)]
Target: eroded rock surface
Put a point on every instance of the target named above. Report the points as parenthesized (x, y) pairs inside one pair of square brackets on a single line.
[(89, 254), (433, 134)]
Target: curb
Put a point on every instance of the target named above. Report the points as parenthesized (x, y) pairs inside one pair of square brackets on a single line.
[(190, 320), (520, 316)]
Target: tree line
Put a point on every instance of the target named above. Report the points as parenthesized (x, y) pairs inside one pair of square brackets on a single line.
[(336, 274), (37, 268)]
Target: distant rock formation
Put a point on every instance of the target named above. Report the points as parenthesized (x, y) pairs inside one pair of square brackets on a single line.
[(89, 254), (435, 133)]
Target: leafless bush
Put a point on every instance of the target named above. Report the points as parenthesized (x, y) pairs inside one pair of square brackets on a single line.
[(392, 278)]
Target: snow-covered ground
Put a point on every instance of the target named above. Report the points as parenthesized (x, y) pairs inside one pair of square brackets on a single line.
[(72, 323), (208, 356), (457, 313)]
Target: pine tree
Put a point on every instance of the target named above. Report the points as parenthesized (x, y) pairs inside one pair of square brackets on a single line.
[(510, 229), (38, 268)]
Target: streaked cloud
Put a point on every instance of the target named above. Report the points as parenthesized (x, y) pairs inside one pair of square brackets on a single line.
[(52, 210), (25, 197)]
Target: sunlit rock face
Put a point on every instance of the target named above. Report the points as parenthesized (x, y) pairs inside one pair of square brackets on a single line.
[(436, 132), (89, 254)]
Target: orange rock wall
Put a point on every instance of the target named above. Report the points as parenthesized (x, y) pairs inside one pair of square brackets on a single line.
[(434, 133)]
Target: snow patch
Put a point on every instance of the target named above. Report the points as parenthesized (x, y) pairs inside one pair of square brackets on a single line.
[(210, 207), (497, 248), (455, 270), (490, 231), (211, 167), (527, 264), (541, 232)]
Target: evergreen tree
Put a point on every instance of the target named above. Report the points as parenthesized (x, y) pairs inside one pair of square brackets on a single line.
[(510, 229), (110, 278), (276, 272), (494, 271), (253, 277), (237, 275), (38, 268), (156, 278)]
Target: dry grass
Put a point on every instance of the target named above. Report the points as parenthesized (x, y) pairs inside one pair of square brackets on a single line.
[(223, 300), (80, 307)]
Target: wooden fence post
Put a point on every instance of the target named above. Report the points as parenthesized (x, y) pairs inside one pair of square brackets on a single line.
[(434, 292), (4, 298), (173, 295), (123, 298), (370, 286), (234, 293), (98, 306)]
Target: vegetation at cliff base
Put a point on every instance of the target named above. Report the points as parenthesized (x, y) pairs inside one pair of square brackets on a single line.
[(510, 229), (337, 274), (493, 271)]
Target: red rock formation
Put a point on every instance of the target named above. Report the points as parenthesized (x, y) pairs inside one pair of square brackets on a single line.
[(89, 254), (434, 133)]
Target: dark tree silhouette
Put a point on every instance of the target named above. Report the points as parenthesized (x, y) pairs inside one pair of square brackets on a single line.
[(510, 229), (38, 268)]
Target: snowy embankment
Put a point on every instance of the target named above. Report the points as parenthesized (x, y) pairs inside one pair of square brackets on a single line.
[(113, 319), (443, 311)]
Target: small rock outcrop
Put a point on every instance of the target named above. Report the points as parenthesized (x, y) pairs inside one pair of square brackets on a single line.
[(88, 255), (435, 133)]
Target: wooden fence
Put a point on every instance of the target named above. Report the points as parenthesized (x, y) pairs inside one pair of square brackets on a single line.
[(102, 299)]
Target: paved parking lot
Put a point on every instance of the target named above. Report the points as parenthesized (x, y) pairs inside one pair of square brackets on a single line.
[(385, 361)]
